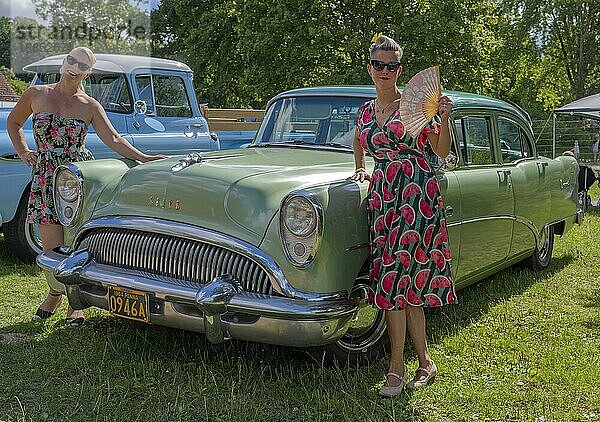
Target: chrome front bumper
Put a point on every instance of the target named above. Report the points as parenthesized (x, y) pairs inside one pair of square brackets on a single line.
[(219, 309)]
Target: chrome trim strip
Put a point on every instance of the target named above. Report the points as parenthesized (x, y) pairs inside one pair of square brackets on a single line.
[(575, 214), (358, 246), (170, 228), (528, 223)]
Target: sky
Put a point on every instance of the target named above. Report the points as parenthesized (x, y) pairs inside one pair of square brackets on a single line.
[(12, 8)]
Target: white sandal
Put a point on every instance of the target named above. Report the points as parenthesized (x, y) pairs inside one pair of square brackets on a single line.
[(429, 377), (389, 391)]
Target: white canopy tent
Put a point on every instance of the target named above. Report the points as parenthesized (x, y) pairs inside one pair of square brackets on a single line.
[(587, 107)]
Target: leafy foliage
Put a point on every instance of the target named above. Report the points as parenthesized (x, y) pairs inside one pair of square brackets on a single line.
[(4, 41), (15, 83), (539, 54), (245, 52)]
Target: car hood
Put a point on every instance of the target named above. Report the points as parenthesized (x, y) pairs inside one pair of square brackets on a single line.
[(236, 192)]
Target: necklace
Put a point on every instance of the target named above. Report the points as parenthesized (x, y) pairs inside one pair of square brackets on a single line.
[(382, 110)]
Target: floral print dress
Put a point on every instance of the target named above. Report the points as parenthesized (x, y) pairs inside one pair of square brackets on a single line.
[(59, 141), (410, 256)]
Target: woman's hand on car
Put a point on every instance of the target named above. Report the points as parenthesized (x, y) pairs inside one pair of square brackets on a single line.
[(153, 157), (360, 175)]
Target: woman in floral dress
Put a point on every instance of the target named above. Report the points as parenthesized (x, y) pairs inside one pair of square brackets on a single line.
[(62, 113), (410, 256)]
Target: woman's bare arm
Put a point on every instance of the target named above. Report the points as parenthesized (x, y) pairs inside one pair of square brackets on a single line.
[(16, 119), (107, 133), (359, 160), (441, 143)]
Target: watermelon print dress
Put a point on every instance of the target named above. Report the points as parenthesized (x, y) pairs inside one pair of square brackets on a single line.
[(410, 256), (59, 141)]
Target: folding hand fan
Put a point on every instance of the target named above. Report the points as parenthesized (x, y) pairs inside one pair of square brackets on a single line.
[(419, 102)]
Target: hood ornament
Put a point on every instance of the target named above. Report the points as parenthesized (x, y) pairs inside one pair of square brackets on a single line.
[(193, 158)]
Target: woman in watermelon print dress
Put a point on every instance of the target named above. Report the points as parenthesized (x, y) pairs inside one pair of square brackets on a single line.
[(410, 256)]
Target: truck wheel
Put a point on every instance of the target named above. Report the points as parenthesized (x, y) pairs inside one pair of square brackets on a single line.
[(365, 339), (21, 237), (542, 256)]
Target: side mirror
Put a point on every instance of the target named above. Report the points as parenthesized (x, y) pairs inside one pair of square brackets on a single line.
[(139, 107), (204, 109), (450, 162)]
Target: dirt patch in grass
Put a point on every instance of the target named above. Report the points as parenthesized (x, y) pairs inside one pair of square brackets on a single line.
[(14, 338)]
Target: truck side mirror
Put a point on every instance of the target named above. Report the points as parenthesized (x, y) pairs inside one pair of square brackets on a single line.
[(139, 107), (204, 109)]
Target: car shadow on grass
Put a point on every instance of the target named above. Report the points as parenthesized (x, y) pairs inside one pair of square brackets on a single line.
[(10, 264)]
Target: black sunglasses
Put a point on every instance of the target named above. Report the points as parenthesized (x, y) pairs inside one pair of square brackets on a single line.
[(82, 66), (379, 65)]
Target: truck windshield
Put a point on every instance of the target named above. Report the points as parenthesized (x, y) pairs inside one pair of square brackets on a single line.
[(324, 120), (110, 89)]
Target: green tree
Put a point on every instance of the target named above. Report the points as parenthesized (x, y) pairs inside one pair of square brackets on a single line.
[(243, 52), (18, 85), (5, 41), (106, 26), (567, 35)]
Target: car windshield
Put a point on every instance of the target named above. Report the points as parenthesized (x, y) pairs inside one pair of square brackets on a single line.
[(328, 121), (110, 89)]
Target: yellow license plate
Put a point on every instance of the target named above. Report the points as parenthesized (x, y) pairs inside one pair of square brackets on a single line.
[(125, 303)]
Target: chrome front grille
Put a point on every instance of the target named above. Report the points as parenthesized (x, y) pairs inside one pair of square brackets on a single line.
[(174, 259)]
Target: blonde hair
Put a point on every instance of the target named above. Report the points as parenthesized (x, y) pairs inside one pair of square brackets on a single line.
[(90, 56), (385, 43)]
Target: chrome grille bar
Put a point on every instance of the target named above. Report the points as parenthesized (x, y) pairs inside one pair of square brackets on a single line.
[(179, 260)]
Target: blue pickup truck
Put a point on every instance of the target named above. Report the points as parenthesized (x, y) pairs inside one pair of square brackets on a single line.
[(150, 101)]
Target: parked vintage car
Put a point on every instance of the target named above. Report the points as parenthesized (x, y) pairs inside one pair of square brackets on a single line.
[(151, 102), (270, 243)]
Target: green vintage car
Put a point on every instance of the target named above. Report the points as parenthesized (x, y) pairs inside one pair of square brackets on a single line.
[(270, 244)]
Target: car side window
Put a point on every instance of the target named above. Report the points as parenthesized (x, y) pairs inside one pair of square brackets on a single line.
[(474, 137), (171, 97), (513, 142), (112, 92), (144, 87), (165, 95)]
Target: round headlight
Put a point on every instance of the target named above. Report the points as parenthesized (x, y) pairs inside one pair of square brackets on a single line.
[(67, 186), (299, 216)]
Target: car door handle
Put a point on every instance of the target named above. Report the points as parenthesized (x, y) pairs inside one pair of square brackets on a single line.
[(506, 179), (193, 130), (502, 173)]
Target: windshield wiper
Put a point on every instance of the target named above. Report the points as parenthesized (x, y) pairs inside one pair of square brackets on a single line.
[(278, 144), (337, 145)]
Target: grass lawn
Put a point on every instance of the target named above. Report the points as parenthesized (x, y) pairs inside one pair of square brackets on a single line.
[(520, 346)]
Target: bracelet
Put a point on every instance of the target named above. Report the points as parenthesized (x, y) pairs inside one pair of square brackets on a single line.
[(358, 170)]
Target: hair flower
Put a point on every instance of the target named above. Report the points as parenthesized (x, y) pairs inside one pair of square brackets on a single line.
[(375, 37)]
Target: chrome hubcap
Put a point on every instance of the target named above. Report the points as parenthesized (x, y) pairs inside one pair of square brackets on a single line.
[(32, 234), (544, 242), (367, 325)]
